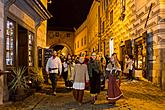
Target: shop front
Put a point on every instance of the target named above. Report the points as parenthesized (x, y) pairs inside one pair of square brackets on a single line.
[(21, 21), (139, 58), (125, 49), (143, 52)]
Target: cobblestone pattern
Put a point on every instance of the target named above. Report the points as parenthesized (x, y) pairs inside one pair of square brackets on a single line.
[(138, 95)]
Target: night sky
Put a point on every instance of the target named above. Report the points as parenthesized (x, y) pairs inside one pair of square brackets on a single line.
[(68, 13)]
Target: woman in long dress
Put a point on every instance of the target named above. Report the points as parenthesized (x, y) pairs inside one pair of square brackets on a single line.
[(79, 77), (114, 93)]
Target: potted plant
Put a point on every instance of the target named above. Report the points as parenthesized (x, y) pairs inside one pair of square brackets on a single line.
[(18, 85), (35, 79)]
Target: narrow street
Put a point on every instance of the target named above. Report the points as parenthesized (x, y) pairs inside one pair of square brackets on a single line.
[(138, 95)]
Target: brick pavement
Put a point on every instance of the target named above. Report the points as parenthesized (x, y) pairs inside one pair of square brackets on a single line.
[(138, 95)]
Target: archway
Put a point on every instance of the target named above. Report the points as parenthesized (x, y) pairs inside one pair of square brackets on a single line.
[(61, 47)]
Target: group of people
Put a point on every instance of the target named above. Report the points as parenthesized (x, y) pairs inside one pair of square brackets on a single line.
[(83, 70)]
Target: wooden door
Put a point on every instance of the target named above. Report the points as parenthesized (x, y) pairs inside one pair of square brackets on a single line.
[(22, 46)]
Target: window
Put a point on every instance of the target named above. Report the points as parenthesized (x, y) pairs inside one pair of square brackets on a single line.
[(111, 17), (138, 56), (82, 42), (106, 3), (103, 27), (10, 34), (30, 48), (57, 34), (68, 35), (111, 46), (78, 44), (85, 40)]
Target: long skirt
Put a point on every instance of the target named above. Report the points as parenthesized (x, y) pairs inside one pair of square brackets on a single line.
[(114, 92), (95, 85)]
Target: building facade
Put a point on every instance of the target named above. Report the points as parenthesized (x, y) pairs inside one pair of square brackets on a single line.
[(129, 27), (93, 27), (20, 20), (87, 35), (64, 38), (136, 27), (80, 40)]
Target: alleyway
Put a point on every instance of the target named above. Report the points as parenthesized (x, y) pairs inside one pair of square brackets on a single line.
[(138, 95)]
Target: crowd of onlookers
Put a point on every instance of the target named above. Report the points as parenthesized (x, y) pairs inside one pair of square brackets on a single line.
[(92, 71)]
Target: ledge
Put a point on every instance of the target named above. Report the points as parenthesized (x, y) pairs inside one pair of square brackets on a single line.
[(4, 72)]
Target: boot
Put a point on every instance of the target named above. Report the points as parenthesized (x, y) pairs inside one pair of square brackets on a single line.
[(93, 100), (80, 96), (75, 94)]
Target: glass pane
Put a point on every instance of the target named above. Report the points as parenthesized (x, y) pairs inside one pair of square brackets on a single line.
[(9, 42), (29, 52), (7, 31), (7, 55), (30, 58), (11, 32), (30, 48)]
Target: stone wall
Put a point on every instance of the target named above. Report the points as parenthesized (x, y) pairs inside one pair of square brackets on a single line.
[(28, 21), (92, 28), (133, 26), (42, 31), (1, 48), (64, 38), (80, 41)]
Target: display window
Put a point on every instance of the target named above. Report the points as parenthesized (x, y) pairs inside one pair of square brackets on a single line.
[(138, 56), (30, 49), (10, 35)]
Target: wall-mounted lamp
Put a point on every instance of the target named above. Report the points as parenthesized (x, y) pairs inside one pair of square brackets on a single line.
[(97, 0), (49, 1)]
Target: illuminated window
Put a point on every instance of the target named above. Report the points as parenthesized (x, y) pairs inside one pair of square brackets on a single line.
[(10, 34), (57, 34), (111, 46), (68, 35), (30, 48)]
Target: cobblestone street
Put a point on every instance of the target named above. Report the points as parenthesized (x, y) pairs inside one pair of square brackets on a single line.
[(138, 95)]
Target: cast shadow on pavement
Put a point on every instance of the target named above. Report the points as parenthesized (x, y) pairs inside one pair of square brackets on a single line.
[(143, 96), (88, 106), (48, 91)]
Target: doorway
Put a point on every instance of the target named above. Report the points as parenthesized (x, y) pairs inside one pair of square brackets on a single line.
[(111, 47), (22, 46)]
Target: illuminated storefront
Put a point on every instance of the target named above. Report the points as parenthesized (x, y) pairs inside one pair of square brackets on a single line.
[(19, 48)]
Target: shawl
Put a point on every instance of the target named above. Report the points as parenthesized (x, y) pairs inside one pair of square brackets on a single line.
[(93, 65)]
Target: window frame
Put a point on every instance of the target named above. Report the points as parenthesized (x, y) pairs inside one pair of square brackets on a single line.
[(13, 48), (30, 49)]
